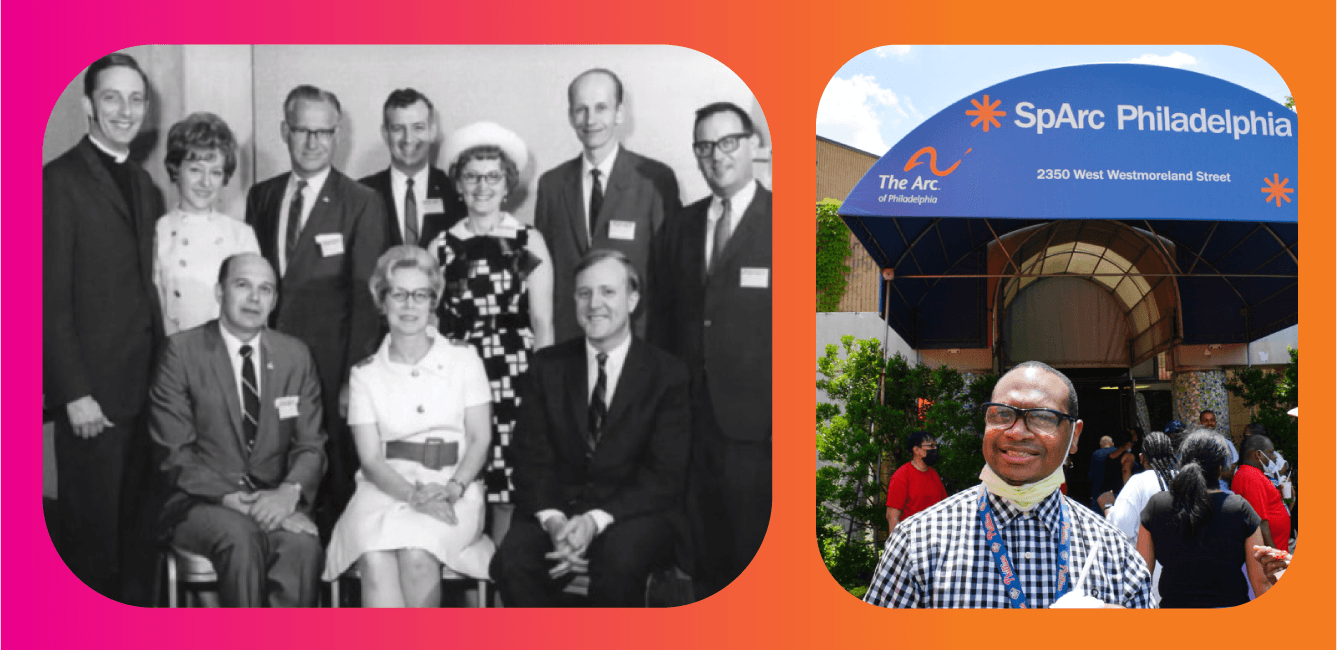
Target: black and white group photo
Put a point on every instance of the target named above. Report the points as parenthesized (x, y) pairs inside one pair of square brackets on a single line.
[(407, 326)]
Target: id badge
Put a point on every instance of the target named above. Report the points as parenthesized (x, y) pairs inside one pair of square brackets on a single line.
[(287, 406), (433, 206), (624, 230), (754, 278), (330, 243)]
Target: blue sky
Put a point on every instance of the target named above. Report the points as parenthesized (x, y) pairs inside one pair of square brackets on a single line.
[(879, 96)]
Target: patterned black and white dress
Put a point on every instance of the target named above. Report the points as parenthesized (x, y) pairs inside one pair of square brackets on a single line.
[(486, 305)]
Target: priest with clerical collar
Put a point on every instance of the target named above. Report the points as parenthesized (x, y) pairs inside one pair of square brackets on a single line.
[(1014, 541)]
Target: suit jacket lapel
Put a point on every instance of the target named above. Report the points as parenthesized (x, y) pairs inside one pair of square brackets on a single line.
[(630, 385), (578, 399), (316, 223), (227, 381), (573, 199), (743, 232)]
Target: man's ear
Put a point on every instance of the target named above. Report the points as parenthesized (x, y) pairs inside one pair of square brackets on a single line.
[(1076, 433)]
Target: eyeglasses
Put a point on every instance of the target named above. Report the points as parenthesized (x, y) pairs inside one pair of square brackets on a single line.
[(727, 144), (491, 178), (931, 445), (1041, 421), (421, 296), (322, 136)]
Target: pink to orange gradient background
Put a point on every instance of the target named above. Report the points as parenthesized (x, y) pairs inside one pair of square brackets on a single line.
[(786, 52)]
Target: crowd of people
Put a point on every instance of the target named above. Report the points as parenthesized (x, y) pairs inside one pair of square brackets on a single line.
[(1166, 527), (397, 375)]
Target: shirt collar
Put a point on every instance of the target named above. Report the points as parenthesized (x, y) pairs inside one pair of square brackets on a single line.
[(507, 227), (1047, 511), (117, 156), (398, 178), (313, 184), (605, 168), (738, 203), (617, 355), (437, 360), (234, 344)]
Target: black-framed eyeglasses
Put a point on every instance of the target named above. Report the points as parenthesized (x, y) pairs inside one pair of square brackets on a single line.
[(322, 136), (1042, 421), (491, 178), (421, 296), (727, 144)]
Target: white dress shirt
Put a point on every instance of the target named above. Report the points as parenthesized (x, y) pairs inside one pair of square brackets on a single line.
[(398, 184), (309, 195), (587, 181), (738, 204)]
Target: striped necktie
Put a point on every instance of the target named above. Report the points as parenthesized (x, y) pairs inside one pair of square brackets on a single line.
[(250, 398), (294, 223), (598, 404)]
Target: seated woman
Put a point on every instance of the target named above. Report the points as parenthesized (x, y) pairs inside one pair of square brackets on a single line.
[(1200, 534), (420, 412), (194, 238)]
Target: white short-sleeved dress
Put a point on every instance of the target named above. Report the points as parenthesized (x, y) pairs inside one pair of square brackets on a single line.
[(188, 250), (414, 403)]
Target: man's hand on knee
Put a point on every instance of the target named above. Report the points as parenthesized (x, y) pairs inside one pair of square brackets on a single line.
[(271, 507), (239, 501), (299, 523)]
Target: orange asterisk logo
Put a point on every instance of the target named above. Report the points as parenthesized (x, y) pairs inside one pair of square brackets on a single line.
[(986, 113), (1277, 190)]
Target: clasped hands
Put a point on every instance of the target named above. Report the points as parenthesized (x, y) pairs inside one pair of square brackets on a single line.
[(436, 500), (570, 540), (272, 509)]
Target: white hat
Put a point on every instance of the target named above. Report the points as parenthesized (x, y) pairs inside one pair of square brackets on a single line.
[(485, 133)]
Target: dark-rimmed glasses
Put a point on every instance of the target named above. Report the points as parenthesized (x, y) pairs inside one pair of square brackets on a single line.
[(727, 144), (419, 297), (1041, 421), (322, 136), (491, 178)]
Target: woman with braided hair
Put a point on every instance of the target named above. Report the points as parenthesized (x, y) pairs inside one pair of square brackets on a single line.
[(1159, 458), (1200, 534)]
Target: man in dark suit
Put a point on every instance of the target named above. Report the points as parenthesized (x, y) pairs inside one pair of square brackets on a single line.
[(419, 198), (607, 197), (323, 232), (600, 453), (715, 313), (237, 409), (101, 322)]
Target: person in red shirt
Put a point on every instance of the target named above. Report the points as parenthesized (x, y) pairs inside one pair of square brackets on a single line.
[(1251, 483), (915, 486)]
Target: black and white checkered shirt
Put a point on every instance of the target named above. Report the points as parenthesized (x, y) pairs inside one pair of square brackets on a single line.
[(938, 557)]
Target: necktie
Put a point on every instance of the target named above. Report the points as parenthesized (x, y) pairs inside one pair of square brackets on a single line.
[(721, 235), (596, 201), (410, 216), (250, 398), (598, 405), (294, 223)]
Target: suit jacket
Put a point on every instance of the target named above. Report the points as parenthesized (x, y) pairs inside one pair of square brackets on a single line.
[(638, 190), (324, 300), (721, 328), (100, 313), (195, 416), (439, 186), (639, 465)]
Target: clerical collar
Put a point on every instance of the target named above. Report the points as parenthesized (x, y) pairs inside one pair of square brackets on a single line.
[(118, 156)]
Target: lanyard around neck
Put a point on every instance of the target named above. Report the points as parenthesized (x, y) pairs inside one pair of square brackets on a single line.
[(993, 536)]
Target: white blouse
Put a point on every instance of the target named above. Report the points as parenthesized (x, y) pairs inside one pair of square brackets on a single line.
[(189, 248)]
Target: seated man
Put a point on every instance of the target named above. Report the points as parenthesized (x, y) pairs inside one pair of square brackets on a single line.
[(600, 453), (237, 409)]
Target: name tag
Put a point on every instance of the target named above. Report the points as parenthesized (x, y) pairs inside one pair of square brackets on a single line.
[(287, 406), (624, 230), (330, 243), (754, 278), (431, 206)]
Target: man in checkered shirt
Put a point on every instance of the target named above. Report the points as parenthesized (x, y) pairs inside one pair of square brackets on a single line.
[(941, 557)]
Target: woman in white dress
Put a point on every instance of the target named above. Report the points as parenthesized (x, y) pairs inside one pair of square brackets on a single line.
[(193, 239), (420, 412)]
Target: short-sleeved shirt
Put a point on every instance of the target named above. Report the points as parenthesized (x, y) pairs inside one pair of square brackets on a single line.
[(1204, 570), (1254, 486), (940, 558), (911, 490), (188, 250)]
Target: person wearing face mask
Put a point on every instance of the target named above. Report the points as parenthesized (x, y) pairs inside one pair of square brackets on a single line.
[(915, 486), (1257, 453), (1014, 541)]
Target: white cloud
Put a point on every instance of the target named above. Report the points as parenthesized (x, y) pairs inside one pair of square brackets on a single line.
[(857, 107), (1176, 60), (899, 51)]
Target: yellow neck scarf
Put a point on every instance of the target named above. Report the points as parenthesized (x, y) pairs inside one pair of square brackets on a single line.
[(1024, 496)]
